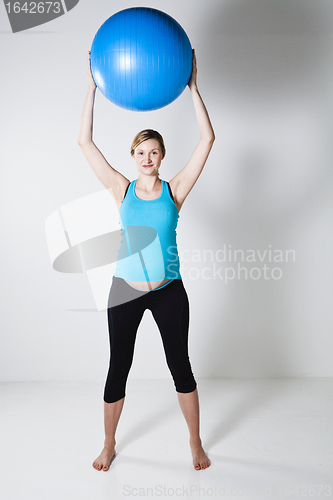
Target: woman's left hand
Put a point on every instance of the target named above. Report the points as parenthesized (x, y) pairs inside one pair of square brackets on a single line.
[(193, 79)]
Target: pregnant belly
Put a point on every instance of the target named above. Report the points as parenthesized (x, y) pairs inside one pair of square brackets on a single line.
[(147, 285)]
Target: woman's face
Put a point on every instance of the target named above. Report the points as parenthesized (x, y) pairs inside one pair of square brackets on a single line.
[(148, 156)]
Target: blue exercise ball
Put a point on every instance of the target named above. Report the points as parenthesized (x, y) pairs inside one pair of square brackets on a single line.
[(141, 59)]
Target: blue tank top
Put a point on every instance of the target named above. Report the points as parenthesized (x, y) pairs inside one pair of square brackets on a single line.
[(148, 247)]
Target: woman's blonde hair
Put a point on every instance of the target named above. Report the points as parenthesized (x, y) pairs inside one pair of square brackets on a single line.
[(144, 135)]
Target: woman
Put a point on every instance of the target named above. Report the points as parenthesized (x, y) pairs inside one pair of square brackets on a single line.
[(151, 202)]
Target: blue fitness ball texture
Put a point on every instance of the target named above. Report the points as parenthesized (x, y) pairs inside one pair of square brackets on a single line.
[(141, 59)]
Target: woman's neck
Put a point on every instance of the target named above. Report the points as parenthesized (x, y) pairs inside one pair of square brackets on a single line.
[(149, 184)]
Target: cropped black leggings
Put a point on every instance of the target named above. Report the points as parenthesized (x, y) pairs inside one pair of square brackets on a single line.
[(170, 308)]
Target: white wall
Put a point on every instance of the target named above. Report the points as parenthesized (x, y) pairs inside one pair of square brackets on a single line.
[(264, 71)]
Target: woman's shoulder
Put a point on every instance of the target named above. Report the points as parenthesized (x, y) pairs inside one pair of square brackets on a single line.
[(165, 183)]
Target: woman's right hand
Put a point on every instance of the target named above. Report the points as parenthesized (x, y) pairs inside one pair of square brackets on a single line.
[(91, 81)]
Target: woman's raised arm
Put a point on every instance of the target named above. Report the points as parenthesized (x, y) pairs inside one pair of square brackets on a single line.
[(184, 181), (113, 180)]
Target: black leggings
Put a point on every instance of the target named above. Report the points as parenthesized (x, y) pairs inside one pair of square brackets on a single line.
[(170, 308)]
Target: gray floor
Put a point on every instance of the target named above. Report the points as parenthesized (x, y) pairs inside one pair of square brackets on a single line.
[(265, 439)]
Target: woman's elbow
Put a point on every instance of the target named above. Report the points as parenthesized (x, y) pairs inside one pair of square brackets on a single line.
[(209, 136), (82, 142), (210, 139)]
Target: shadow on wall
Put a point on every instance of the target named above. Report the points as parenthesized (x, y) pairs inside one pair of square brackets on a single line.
[(257, 47), (268, 66), (269, 75)]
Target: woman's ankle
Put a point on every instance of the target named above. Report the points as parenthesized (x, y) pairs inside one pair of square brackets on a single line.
[(109, 443), (195, 441)]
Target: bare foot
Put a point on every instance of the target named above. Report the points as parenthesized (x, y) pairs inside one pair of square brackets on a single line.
[(200, 459), (103, 462)]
